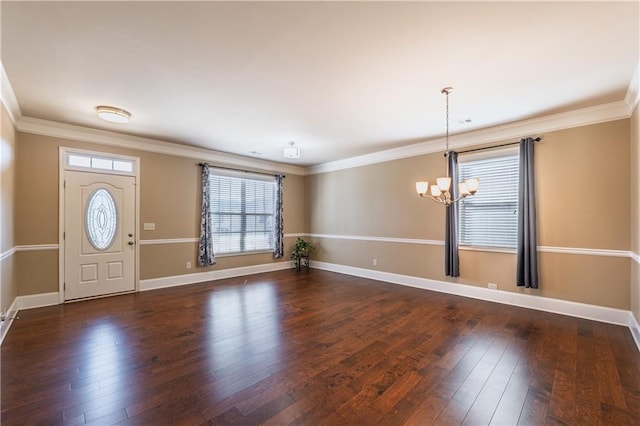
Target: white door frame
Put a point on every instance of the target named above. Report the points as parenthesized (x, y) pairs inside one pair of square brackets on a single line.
[(63, 166)]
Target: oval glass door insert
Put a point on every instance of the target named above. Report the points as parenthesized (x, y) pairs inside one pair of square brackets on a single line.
[(101, 218)]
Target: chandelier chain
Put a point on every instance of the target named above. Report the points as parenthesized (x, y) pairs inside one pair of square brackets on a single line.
[(447, 132), (442, 192)]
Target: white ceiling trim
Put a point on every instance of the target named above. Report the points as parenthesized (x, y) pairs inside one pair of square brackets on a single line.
[(534, 127), (85, 134), (582, 117), (60, 130), (8, 96)]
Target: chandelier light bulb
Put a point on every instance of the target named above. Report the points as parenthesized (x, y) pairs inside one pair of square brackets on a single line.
[(444, 183), (473, 184), (422, 187)]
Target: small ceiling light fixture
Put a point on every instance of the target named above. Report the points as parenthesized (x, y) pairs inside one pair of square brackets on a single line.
[(440, 192), (112, 114), (291, 151)]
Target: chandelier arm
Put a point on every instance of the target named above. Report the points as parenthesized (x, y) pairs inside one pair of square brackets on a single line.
[(445, 197), (445, 201), (437, 200)]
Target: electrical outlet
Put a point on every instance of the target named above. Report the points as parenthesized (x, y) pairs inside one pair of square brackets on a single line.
[(375, 262), (188, 265), (492, 286), (149, 227)]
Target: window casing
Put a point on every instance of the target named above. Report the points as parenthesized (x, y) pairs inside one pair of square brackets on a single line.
[(242, 212), (489, 218)]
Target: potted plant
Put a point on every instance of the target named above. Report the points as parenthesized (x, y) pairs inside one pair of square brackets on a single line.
[(301, 250)]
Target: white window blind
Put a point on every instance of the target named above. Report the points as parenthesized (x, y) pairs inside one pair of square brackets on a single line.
[(489, 218), (242, 212)]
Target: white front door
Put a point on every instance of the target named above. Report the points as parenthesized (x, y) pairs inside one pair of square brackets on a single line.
[(99, 230)]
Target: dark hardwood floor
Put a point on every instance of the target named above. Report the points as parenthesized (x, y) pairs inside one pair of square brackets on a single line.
[(313, 348)]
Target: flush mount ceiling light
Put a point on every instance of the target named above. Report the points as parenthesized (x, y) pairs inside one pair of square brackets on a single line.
[(112, 114), (291, 151), (441, 193)]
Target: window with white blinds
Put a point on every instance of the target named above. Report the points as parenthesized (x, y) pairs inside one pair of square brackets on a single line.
[(489, 218), (242, 213)]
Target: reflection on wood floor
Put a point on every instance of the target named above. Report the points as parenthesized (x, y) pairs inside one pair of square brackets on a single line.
[(313, 348)]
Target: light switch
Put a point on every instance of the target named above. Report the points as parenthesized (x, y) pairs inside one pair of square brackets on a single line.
[(149, 226)]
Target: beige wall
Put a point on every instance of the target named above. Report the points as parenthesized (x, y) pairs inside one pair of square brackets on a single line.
[(635, 212), (169, 188), (377, 200), (8, 275), (572, 165)]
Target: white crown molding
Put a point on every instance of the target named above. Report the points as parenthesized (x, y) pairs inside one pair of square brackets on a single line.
[(8, 96), (104, 137), (558, 306), (583, 117)]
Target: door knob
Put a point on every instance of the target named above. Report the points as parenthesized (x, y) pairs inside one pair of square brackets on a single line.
[(130, 234), (131, 243)]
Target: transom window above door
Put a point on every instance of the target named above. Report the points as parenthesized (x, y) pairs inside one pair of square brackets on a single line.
[(99, 163)]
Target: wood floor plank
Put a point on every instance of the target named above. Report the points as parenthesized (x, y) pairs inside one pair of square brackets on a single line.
[(315, 348)]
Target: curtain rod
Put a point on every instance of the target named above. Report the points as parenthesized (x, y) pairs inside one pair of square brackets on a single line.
[(240, 170), (495, 146)]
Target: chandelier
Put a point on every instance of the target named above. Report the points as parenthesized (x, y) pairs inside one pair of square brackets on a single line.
[(440, 193)]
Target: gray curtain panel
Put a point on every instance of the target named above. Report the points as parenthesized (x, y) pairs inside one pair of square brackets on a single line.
[(205, 247), (451, 259), (527, 232), (278, 250)]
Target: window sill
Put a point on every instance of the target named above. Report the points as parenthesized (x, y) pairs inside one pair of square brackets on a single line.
[(505, 250), (243, 253)]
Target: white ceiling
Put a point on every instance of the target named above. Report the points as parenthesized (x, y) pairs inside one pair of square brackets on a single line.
[(339, 79)]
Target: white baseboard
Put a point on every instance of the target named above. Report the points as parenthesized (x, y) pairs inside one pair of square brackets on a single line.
[(564, 307), (635, 329), (26, 302), (177, 280), (574, 309), (38, 300), (9, 318)]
